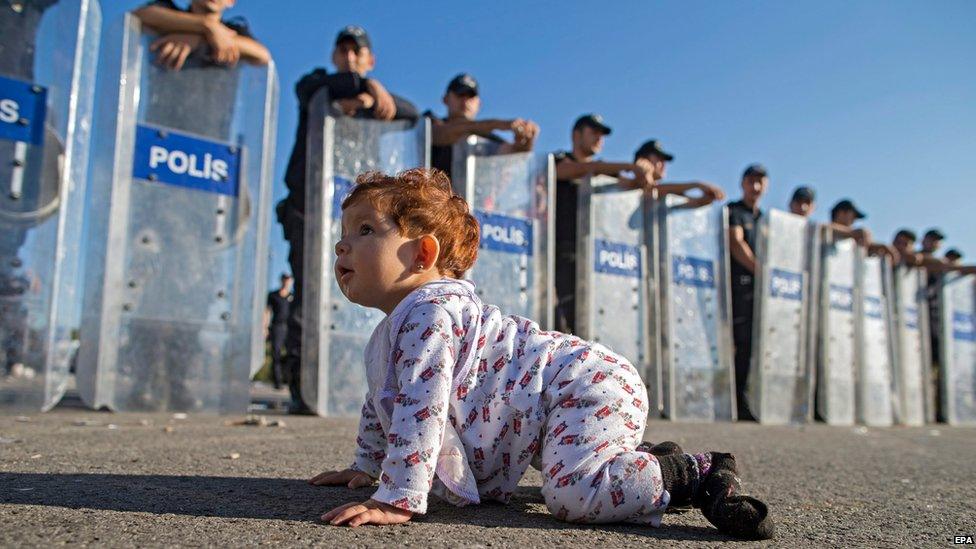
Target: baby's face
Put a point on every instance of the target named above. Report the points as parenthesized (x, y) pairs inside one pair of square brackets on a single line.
[(373, 260)]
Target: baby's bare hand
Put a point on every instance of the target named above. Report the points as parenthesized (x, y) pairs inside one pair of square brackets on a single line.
[(349, 477)]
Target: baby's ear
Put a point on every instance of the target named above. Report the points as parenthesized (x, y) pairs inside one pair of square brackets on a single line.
[(429, 251)]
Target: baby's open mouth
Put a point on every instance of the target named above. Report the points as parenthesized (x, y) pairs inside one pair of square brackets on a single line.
[(344, 273)]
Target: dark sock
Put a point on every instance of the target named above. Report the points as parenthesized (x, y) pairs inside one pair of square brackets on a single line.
[(681, 478), (665, 448), (710, 482)]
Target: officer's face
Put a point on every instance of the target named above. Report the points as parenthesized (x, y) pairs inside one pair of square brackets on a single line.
[(904, 244), (930, 244), (373, 260), (286, 283), (210, 6), (590, 140), (801, 207), (845, 217), (660, 166), (348, 57), (462, 105), (753, 187)]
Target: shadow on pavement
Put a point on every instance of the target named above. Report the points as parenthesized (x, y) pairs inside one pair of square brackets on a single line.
[(279, 499)]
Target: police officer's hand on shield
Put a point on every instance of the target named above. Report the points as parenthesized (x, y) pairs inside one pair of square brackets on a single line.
[(223, 41), (172, 50)]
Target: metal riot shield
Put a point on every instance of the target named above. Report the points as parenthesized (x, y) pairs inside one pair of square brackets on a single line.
[(695, 331), (875, 348), (958, 375), (337, 330), (511, 196), (912, 345), (781, 376), (176, 281), (839, 307), (47, 68), (611, 296)]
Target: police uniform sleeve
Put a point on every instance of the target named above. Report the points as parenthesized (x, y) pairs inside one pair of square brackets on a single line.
[(405, 110), (424, 356), (736, 217)]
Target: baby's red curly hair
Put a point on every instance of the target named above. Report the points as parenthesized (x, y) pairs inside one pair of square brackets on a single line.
[(421, 201)]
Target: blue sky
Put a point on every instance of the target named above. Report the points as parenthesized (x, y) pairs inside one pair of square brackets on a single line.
[(871, 100)]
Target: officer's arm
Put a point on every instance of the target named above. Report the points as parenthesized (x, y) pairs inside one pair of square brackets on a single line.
[(253, 51), (709, 193), (571, 169), (165, 20), (449, 132), (739, 249)]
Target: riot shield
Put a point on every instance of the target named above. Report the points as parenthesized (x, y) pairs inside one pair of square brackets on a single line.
[(611, 296), (913, 356), (511, 196), (958, 375), (839, 307), (336, 330), (47, 68), (695, 343), (175, 287), (781, 374), (875, 347)]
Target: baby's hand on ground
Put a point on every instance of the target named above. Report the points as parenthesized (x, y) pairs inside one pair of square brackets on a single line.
[(368, 512), (349, 477)]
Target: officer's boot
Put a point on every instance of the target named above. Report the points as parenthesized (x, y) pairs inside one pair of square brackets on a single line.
[(710, 482)]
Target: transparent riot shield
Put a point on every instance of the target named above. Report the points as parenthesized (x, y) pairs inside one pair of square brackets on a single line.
[(912, 338), (695, 331), (611, 296), (958, 375), (511, 196), (875, 348), (781, 374), (336, 330), (47, 66), (837, 365), (176, 280)]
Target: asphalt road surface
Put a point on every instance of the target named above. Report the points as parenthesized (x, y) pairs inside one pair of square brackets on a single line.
[(100, 479)]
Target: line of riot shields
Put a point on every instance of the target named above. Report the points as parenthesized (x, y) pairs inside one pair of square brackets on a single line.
[(178, 224)]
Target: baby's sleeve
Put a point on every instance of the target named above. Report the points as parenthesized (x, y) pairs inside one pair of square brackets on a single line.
[(370, 442), (425, 353)]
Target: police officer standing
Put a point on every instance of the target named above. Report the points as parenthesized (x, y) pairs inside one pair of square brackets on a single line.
[(351, 93), (463, 102), (276, 326), (744, 216), (572, 166)]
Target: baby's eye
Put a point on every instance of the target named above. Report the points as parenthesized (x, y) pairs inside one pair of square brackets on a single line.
[(365, 229)]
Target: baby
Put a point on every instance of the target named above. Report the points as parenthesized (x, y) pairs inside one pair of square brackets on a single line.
[(462, 399)]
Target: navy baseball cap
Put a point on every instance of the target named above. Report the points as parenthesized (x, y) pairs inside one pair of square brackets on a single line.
[(463, 84), (803, 193), (592, 120), (755, 170), (953, 253), (355, 33), (847, 205), (907, 233), (934, 233), (653, 147)]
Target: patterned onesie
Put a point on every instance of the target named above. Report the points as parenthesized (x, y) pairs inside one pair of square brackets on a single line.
[(462, 400)]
